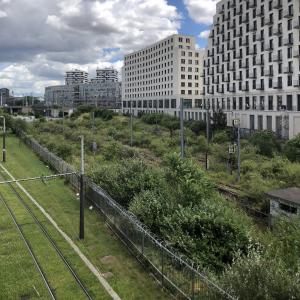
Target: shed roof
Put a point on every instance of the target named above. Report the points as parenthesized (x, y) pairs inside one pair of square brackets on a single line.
[(289, 194)]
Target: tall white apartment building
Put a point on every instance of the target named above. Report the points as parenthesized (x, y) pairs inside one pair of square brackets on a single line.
[(76, 77), (106, 75), (251, 64), (155, 78)]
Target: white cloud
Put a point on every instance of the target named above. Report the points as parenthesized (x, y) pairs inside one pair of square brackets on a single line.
[(201, 11), (204, 34), (57, 35), (3, 14)]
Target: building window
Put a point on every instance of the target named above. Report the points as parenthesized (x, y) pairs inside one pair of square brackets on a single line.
[(288, 208)]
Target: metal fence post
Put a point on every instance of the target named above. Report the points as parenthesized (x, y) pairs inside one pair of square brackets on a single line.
[(193, 285), (162, 266), (143, 242)]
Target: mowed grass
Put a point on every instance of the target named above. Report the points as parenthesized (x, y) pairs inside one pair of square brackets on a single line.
[(59, 277), (18, 276), (106, 252)]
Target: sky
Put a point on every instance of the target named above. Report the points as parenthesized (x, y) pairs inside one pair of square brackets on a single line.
[(41, 39)]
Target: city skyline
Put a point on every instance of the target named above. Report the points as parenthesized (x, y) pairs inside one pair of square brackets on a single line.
[(59, 36)]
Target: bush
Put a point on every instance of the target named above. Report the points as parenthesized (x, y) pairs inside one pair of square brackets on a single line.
[(221, 137), (64, 151), (126, 179), (266, 143), (104, 114), (292, 149), (196, 126)]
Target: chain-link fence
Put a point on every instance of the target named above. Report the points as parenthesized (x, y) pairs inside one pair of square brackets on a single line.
[(173, 271)]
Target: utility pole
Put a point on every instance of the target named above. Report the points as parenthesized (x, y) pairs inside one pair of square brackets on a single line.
[(207, 138), (237, 125), (181, 129), (131, 125), (4, 144), (81, 223)]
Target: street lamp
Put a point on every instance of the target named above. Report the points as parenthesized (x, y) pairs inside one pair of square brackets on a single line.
[(4, 147)]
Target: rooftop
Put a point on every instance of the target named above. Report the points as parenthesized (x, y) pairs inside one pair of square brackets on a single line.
[(289, 194)]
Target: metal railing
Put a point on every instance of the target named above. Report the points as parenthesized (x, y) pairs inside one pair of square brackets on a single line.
[(174, 271)]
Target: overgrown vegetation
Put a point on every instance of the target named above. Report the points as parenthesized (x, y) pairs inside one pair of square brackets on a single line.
[(177, 201)]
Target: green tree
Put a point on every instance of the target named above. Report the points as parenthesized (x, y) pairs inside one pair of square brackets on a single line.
[(292, 149), (266, 143)]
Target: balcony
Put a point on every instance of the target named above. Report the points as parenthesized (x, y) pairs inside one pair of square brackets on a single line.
[(232, 88), (252, 27), (260, 86), (238, 33), (238, 76), (288, 13), (215, 42), (259, 61), (231, 67), (220, 9), (245, 65), (238, 55), (216, 80), (202, 92), (211, 34), (245, 88), (269, 72), (231, 24), (202, 73), (245, 19), (277, 31), (220, 50), (260, 12), (268, 21), (277, 84), (216, 20), (244, 41), (231, 45), (232, 3), (226, 78), (252, 51), (268, 46), (226, 58), (259, 36), (252, 75), (288, 69), (211, 71), (288, 41), (220, 89), (296, 23), (277, 57), (252, 3), (296, 82), (277, 4), (239, 10), (296, 53)]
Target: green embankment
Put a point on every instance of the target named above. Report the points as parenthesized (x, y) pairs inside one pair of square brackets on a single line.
[(105, 251)]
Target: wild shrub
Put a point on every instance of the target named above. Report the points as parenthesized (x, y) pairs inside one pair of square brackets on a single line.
[(292, 149)]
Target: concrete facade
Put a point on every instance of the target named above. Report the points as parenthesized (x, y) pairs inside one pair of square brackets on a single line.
[(76, 77), (155, 78), (106, 75), (251, 64)]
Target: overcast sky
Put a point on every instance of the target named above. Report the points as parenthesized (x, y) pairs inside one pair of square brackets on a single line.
[(41, 39)]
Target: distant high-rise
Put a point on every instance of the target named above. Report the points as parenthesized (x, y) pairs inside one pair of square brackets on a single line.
[(155, 78), (106, 75), (251, 65), (76, 77)]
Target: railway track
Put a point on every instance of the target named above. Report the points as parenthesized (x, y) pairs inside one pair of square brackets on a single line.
[(47, 236)]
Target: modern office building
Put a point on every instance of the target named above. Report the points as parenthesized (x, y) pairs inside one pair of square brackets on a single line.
[(4, 96), (76, 77), (155, 78), (105, 94), (106, 75), (251, 64)]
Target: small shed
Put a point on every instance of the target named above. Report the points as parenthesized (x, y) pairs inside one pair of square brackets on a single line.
[(284, 202)]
